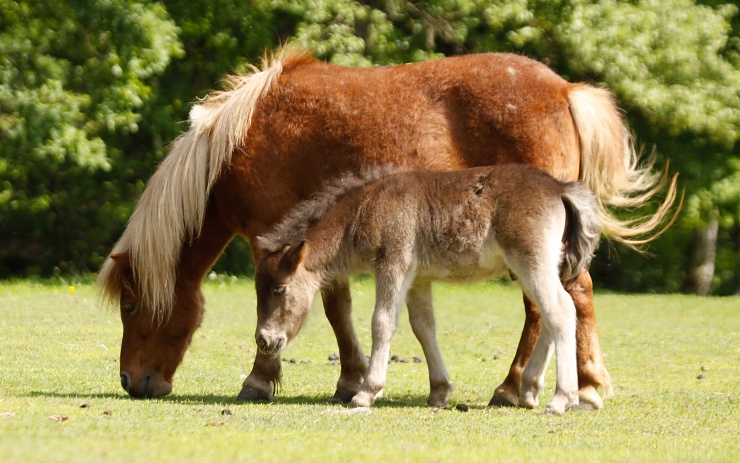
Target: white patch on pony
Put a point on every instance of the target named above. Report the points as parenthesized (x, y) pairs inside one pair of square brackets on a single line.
[(511, 70), (510, 106)]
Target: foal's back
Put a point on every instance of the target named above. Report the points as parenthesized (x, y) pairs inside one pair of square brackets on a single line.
[(452, 225)]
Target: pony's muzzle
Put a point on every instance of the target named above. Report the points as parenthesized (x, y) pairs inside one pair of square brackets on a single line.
[(147, 387), (270, 344), (125, 381)]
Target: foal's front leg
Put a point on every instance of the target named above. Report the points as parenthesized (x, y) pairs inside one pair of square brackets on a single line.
[(421, 316), (263, 380), (338, 308), (390, 294)]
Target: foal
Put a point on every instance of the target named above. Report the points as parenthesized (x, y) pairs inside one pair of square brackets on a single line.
[(413, 227)]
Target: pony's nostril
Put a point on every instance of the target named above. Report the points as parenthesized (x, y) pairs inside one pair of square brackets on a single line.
[(125, 381), (262, 342), (148, 387)]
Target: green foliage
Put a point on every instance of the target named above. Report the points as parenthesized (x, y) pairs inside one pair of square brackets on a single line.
[(92, 92), (73, 77)]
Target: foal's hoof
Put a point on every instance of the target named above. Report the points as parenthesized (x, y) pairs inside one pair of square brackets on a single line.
[(363, 399), (253, 394), (503, 399), (342, 396), (561, 403), (589, 399)]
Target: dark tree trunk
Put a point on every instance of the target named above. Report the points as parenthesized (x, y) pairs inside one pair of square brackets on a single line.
[(701, 260)]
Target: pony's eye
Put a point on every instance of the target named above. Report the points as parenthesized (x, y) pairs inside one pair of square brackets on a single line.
[(129, 309), (278, 290)]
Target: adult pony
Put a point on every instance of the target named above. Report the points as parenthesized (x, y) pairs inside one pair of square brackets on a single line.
[(276, 135)]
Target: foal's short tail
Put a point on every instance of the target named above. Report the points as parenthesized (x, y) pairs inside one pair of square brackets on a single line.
[(582, 230)]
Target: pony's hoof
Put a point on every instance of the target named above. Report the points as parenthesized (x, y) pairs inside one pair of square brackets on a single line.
[(253, 394)]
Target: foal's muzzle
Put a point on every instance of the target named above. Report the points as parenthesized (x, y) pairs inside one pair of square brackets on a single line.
[(269, 344)]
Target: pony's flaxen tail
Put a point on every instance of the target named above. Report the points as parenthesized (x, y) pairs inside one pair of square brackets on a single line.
[(610, 167), (582, 231)]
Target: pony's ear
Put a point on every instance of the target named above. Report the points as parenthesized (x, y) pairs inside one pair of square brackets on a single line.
[(293, 256), (122, 259)]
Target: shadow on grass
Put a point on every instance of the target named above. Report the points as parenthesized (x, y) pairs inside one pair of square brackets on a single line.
[(397, 401)]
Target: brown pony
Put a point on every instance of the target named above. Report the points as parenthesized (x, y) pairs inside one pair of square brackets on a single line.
[(413, 228), (276, 135)]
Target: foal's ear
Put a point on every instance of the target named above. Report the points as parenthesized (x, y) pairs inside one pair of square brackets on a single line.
[(122, 259), (293, 256)]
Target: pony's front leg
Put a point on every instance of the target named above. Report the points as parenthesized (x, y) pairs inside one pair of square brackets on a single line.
[(338, 308), (421, 316), (390, 294)]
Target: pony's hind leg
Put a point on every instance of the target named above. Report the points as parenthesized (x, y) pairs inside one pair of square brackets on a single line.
[(421, 316), (591, 369), (338, 308)]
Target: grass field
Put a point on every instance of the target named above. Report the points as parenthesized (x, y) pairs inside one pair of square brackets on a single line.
[(59, 356)]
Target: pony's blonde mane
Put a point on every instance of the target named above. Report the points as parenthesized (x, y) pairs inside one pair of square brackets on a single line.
[(172, 207)]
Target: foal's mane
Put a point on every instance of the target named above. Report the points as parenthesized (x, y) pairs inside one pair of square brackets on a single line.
[(172, 207), (295, 225)]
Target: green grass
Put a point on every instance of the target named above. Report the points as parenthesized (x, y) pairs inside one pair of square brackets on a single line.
[(59, 350)]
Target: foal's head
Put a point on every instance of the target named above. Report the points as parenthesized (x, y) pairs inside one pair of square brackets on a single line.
[(285, 291)]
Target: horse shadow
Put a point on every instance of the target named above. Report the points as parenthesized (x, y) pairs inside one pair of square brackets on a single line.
[(396, 401)]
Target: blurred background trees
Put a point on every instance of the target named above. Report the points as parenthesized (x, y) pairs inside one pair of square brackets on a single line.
[(93, 91)]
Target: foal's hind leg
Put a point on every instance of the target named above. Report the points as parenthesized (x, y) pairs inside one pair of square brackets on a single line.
[(541, 282), (338, 309), (421, 316), (591, 370)]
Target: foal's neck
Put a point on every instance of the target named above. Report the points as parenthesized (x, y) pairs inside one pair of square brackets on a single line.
[(330, 256)]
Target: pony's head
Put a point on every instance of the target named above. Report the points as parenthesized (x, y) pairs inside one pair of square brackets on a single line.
[(285, 290), (152, 347)]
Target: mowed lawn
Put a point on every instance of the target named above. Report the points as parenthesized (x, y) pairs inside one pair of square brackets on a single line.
[(674, 360)]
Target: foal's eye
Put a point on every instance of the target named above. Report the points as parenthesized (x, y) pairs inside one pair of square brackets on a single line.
[(130, 309), (278, 290)]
